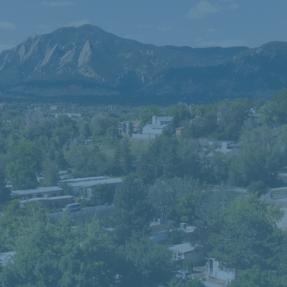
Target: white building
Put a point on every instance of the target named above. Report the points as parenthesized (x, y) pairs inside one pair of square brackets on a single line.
[(220, 272), (185, 251), (156, 128)]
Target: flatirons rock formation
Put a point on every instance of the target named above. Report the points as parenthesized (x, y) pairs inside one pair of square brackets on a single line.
[(89, 63)]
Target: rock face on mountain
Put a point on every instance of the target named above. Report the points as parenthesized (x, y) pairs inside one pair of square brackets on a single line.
[(87, 62)]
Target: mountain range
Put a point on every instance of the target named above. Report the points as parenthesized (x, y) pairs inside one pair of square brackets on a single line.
[(89, 64)]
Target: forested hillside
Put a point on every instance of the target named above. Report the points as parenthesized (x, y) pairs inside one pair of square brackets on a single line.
[(213, 176)]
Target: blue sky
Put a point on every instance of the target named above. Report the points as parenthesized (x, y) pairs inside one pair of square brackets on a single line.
[(192, 23)]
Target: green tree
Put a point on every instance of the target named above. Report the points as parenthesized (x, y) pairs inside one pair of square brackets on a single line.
[(115, 162), (146, 114), (103, 191), (4, 191), (51, 254), (256, 277), (147, 263), (22, 170), (127, 160), (131, 128), (164, 195), (60, 160), (249, 235), (132, 213), (258, 188), (51, 173), (144, 170), (184, 210)]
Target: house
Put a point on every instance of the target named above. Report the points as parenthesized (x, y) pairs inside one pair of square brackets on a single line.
[(47, 202), (124, 126), (161, 225), (226, 147), (45, 192), (54, 108), (185, 251), (87, 183), (158, 230), (156, 128), (178, 131), (216, 270), (7, 257)]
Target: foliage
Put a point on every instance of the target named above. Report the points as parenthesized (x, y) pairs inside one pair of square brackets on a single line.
[(132, 213), (249, 235), (256, 277), (185, 209), (147, 263), (22, 169), (258, 188), (52, 256), (4, 191), (51, 173), (146, 114), (165, 194), (175, 236), (103, 191)]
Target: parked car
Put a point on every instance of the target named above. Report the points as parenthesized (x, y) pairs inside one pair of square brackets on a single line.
[(182, 274), (72, 207)]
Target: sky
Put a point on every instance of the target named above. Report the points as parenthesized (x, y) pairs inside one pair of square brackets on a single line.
[(194, 23)]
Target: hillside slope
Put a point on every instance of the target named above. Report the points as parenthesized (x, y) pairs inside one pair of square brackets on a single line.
[(87, 62)]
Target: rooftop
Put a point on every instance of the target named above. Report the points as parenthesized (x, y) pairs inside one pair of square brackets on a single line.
[(47, 198), (96, 182), (182, 248), (39, 189), (74, 180), (7, 257)]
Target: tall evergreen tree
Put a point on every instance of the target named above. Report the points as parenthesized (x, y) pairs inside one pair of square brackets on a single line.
[(4, 191), (61, 161), (132, 212), (126, 162), (51, 173), (144, 170)]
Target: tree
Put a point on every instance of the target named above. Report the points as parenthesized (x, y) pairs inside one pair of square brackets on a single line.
[(147, 263), (144, 170), (249, 235), (256, 277), (146, 114), (132, 213), (188, 283), (4, 191), (131, 128), (49, 254), (22, 170), (51, 173), (165, 194), (115, 165), (60, 160), (184, 210), (103, 191), (126, 156), (258, 188)]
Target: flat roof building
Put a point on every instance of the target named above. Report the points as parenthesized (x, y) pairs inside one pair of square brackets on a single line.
[(38, 191)]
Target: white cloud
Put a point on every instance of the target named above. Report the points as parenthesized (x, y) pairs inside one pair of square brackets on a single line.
[(220, 43), (78, 23), (57, 4), (5, 47), (203, 8), (7, 26), (211, 30)]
